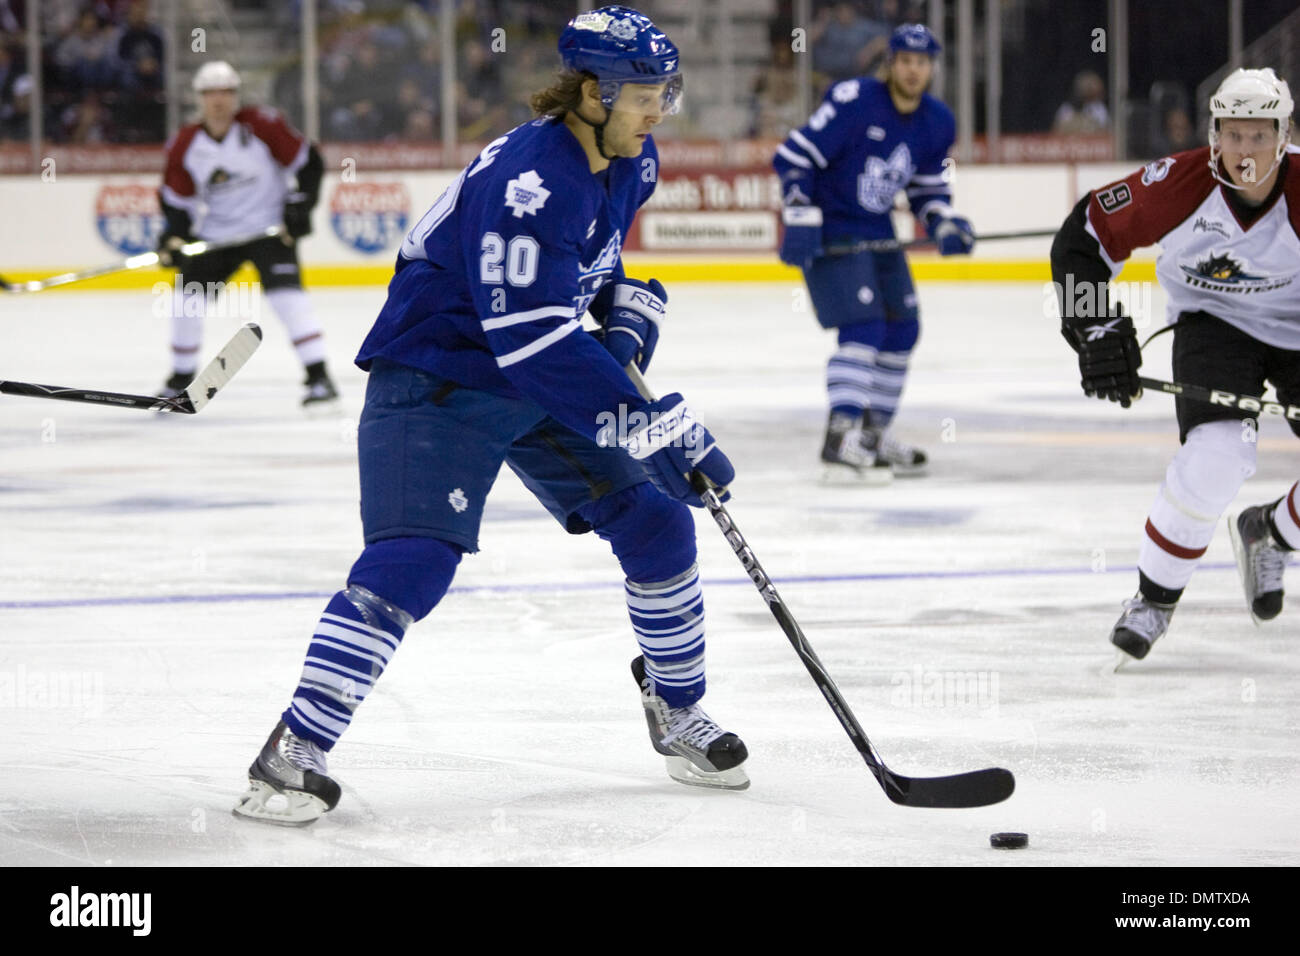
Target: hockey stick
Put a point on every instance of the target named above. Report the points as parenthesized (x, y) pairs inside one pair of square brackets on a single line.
[(1214, 396), (142, 261), (893, 245), (979, 788), (201, 391)]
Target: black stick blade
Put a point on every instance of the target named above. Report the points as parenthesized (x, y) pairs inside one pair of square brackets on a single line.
[(979, 788)]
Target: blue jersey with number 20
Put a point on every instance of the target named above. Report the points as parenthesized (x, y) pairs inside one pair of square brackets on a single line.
[(492, 283)]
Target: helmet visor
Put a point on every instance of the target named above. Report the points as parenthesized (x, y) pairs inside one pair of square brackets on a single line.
[(661, 97)]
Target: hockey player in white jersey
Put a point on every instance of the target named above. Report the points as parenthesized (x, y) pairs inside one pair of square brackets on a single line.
[(1227, 219), (228, 176)]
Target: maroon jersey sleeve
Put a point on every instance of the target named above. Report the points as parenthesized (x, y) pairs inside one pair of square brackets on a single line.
[(176, 177), (268, 125), (1147, 205), (1291, 188)]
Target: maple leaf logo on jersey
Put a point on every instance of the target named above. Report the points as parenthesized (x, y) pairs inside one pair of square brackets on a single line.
[(883, 178), (525, 194), (845, 92), (457, 500)]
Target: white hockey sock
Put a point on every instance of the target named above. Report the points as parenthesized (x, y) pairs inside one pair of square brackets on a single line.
[(294, 310), (1286, 517), (187, 330), (668, 618), (1199, 484)]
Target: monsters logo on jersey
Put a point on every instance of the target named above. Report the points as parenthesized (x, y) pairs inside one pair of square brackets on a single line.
[(526, 195), (370, 217), (128, 217), (1223, 273), (1154, 172), (1222, 267), (881, 180)]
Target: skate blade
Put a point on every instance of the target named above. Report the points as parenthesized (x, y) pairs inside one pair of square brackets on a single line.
[(847, 475), (265, 804), (683, 771), (330, 408), (1243, 572), (909, 471)]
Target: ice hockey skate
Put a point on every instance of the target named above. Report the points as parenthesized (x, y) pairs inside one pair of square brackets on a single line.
[(850, 453), (697, 751), (1260, 562), (321, 395), (288, 782), (905, 460), (1141, 625), (175, 386)]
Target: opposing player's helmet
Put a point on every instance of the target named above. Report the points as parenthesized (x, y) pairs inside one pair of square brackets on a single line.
[(216, 75), (618, 45), (914, 38), (1251, 94)]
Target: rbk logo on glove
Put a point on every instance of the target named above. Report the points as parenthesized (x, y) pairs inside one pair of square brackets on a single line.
[(1096, 332)]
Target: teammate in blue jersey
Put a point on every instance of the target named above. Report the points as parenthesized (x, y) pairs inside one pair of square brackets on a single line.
[(839, 175), (479, 357)]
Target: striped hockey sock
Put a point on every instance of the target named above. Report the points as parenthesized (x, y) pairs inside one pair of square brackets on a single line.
[(888, 372), (668, 618), (354, 641), (849, 378)]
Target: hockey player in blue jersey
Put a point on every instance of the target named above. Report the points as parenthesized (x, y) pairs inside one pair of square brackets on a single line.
[(479, 357), (839, 175)]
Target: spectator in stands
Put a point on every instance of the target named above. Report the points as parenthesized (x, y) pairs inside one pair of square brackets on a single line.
[(1085, 111), (1177, 133), (845, 43), (87, 57), (364, 98), (140, 48), (776, 95), (15, 97)]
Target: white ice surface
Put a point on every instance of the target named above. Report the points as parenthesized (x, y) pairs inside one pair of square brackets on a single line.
[(160, 577)]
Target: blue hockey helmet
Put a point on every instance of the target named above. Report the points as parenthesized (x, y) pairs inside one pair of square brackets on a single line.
[(914, 38), (619, 45)]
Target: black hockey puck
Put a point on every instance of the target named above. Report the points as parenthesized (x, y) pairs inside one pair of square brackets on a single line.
[(1009, 841)]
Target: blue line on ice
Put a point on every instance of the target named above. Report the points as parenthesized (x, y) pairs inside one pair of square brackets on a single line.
[(560, 586)]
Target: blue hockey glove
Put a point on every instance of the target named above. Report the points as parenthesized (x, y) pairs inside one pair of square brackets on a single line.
[(802, 242), (629, 312), (672, 445), (953, 234)]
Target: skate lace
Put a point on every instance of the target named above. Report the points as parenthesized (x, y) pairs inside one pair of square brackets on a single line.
[(891, 447), (1145, 618), (1270, 562), (303, 754), (691, 726)]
